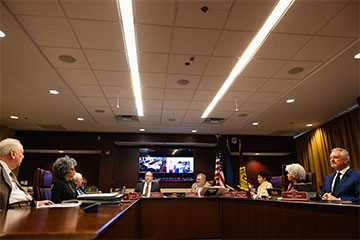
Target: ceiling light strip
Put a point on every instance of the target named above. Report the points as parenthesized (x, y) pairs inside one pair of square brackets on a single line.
[(275, 16), (126, 10)]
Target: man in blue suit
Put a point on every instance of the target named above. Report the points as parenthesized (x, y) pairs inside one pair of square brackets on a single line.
[(344, 184)]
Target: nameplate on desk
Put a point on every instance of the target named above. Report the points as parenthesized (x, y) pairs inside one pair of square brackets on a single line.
[(134, 195), (126, 196), (192, 195), (156, 195), (295, 196), (241, 194), (228, 195)]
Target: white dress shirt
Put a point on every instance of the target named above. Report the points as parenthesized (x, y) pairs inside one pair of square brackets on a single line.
[(341, 176), (144, 189)]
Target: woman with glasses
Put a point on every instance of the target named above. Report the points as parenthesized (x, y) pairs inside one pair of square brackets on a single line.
[(64, 188)]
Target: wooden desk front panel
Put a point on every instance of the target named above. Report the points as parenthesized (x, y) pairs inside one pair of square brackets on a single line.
[(180, 218)]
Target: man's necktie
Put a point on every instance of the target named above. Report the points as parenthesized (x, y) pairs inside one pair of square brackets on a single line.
[(337, 181), (147, 189)]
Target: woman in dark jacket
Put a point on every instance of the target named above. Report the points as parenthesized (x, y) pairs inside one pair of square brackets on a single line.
[(64, 188)]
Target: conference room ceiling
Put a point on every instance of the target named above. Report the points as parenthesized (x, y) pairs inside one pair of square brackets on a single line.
[(320, 37)]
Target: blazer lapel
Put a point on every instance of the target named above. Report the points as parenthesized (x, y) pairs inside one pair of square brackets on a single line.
[(343, 179), (6, 177)]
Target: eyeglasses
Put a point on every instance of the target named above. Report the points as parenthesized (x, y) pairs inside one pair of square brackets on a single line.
[(73, 169)]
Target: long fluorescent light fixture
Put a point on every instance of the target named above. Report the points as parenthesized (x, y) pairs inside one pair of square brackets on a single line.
[(275, 16), (126, 10)]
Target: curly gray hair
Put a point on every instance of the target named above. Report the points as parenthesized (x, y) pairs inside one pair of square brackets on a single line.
[(62, 166), (296, 171), (9, 144)]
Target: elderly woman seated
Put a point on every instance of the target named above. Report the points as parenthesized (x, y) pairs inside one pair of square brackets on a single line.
[(64, 188), (296, 174)]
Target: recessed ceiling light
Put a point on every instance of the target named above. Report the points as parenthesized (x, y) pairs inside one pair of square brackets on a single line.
[(55, 92), (2, 34), (182, 82), (309, 125), (255, 123), (14, 117), (67, 58), (291, 100), (99, 111), (357, 56), (80, 119), (257, 154), (61, 151), (296, 70), (142, 129), (194, 130), (277, 13)]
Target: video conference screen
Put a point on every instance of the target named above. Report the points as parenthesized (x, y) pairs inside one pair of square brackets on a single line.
[(167, 164)]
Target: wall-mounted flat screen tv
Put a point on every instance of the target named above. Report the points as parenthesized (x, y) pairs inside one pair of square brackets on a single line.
[(167, 164)]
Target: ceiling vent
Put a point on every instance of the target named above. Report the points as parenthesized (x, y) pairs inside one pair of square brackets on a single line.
[(52, 127), (127, 118), (214, 121)]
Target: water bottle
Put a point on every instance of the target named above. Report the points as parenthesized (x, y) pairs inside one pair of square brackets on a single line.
[(123, 189)]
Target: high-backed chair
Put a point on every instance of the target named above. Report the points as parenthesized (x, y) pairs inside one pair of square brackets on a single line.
[(42, 184), (278, 182), (311, 178)]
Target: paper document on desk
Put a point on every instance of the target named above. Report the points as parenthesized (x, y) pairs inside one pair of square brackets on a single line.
[(60, 205), (101, 196)]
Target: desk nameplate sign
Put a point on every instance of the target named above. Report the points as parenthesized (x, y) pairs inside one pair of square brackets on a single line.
[(228, 195), (295, 196), (241, 194), (134, 195), (156, 195), (191, 195)]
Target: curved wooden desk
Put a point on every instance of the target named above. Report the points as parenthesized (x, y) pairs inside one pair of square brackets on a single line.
[(187, 218)]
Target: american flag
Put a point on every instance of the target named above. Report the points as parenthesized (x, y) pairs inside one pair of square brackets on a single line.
[(219, 174)]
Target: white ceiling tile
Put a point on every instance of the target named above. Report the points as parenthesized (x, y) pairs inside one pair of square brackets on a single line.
[(220, 66), (112, 92), (198, 105), (247, 84), (113, 78), (107, 60), (87, 91), (152, 112), (153, 38), (316, 13), (204, 95), (50, 31), (263, 97), (277, 85), (152, 62), (251, 107), (220, 114), (345, 23), (176, 105), (152, 103), (98, 35), (173, 78), (49, 8), (106, 116), (321, 48), (262, 68), (281, 46), (190, 14), (53, 55), (124, 103), (233, 44), (152, 93), (156, 80), (194, 41), (91, 9), (124, 110), (231, 95), (308, 67), (249, 15), (165, 121), (77, 76), (171, 113), (178, 94), (193, 117), (149, 120), (226, 106), (154, 12), (211, 83), (94, 101), (177, 64)]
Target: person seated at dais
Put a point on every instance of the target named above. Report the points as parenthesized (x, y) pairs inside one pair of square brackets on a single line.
[(262, 192), (296, 174), (200, 183), (78, 180), (64, 188), (147, 187)]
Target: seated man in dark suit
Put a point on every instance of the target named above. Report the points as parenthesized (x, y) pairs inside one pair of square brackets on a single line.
[(78, 180), (345, 183), (145, 188)]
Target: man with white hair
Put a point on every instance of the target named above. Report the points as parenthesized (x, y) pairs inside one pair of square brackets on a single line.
[(78, 180), (12, 195), (345, 183)]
